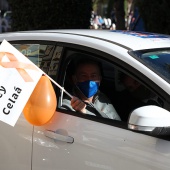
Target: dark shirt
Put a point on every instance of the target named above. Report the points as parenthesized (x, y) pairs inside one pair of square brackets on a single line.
[(125, 102)]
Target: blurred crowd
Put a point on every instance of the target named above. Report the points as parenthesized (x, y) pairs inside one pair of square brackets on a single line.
[(5, 21), (97, 22), (133, 21)]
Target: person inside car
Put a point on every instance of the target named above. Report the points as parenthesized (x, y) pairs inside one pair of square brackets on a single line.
[(133, 96), (87, 98)]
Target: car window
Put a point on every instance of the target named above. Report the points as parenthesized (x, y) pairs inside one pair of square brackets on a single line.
[(131, 94), (157, 59), (113, 87), (43, 55), (47, 57), (98, 104)]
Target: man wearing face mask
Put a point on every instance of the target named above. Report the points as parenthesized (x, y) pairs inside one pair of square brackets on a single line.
[(87, 99)]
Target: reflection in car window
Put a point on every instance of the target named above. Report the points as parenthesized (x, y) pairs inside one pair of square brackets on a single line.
[(157, 60), (133, 96), (31, 51), (44, 56), (55, 61)]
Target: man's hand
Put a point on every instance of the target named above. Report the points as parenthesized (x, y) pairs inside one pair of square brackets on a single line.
[(78, 105)]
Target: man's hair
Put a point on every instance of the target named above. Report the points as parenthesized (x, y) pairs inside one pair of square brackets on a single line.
[(83, 59), (76, 60)]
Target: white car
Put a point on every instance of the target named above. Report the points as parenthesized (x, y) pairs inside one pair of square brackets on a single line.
[(75, 141)]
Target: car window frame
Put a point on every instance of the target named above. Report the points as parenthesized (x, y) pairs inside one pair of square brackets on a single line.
[(119, 64)]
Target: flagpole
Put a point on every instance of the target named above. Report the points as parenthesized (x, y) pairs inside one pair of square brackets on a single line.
[(59, 86)]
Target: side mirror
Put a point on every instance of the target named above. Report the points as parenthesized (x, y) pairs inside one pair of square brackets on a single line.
[(150, 119)]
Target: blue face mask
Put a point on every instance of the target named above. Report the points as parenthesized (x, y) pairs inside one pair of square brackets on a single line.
[(88, 88)]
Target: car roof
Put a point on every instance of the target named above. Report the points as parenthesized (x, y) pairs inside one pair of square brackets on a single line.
[(127, 39), (116, 43)]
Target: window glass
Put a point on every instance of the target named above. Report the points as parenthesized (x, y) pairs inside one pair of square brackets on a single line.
[(157, 60), (31, 51), (55, 61), (131, 95), (44, 56)]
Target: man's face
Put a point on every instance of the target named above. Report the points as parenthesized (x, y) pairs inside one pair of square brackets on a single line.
[(87, 72)]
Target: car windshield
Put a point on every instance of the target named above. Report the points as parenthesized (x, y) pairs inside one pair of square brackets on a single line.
[(157, 60)]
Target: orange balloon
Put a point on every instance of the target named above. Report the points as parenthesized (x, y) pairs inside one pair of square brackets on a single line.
[(42, 103)]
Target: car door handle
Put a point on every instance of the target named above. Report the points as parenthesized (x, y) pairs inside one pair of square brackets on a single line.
[(57, 136)]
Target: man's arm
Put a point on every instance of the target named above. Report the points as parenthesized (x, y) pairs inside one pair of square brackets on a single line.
[(105, 108)]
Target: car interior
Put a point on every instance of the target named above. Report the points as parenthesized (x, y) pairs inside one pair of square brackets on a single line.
[(112, 86)]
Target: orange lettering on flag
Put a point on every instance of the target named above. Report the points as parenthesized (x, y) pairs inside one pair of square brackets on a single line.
[(20, 67)]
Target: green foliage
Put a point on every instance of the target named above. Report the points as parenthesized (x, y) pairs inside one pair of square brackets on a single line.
[(50, 14), (155, 14)]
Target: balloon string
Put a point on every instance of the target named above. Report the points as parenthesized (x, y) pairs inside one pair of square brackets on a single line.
[(59, 86)]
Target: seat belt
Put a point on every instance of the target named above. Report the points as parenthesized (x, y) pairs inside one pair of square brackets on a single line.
[(98, 112)]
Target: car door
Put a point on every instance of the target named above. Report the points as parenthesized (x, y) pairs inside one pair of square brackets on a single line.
[(16, 145), (74, 141), (96, 146)]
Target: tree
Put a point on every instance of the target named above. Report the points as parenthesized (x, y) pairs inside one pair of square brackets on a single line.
[(155, 15), (110, 8), (120, 14), (50, 14)]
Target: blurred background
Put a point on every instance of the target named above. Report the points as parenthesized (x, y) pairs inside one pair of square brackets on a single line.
[(137, 15)]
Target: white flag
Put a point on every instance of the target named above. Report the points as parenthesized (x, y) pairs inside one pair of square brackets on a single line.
[(18, 78)]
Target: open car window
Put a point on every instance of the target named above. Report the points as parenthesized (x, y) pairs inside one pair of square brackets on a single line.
[(113, 87)]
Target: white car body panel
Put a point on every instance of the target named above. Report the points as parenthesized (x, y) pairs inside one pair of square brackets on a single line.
[(97, 146), (16, 145), (134, 42)]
